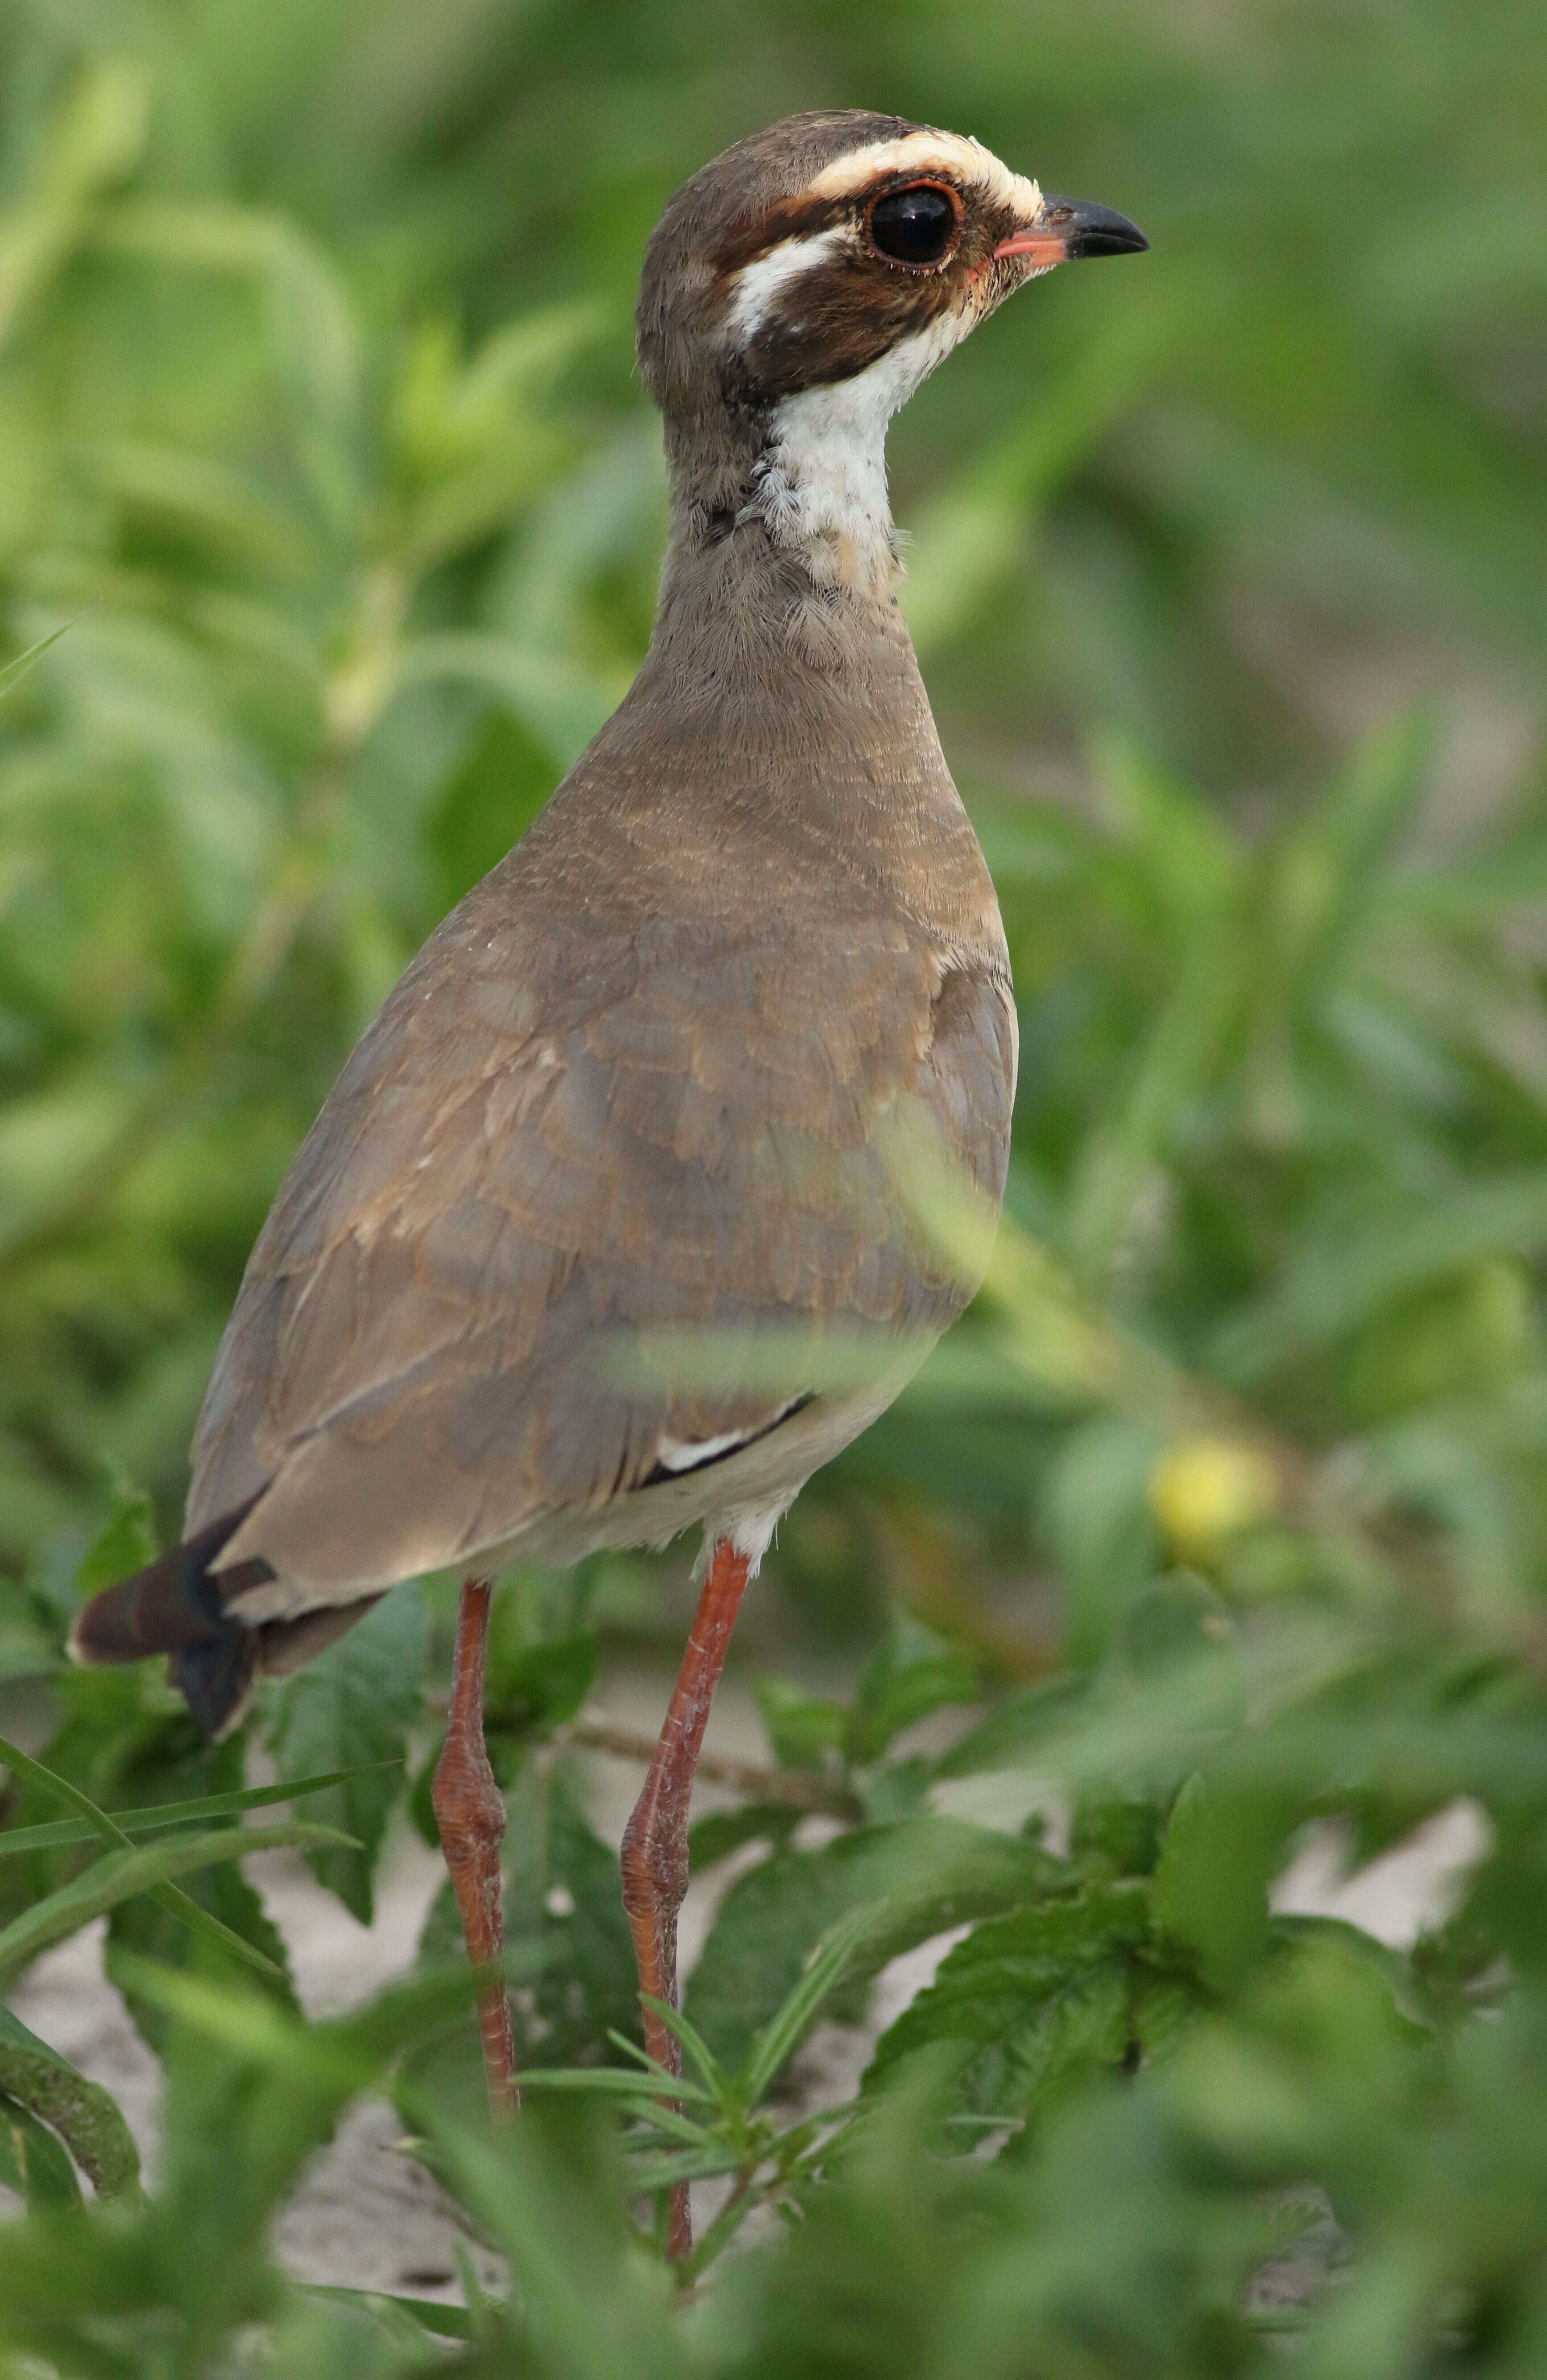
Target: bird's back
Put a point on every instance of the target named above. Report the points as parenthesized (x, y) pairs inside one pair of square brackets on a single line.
[(639, 1081)]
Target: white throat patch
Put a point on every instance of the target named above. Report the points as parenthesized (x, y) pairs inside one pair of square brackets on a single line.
[(820, 487)]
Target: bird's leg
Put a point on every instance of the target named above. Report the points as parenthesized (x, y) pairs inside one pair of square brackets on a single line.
[(655, 1840), (470, 1812)]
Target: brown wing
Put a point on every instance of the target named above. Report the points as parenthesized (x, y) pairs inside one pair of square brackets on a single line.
[(565, 1128)]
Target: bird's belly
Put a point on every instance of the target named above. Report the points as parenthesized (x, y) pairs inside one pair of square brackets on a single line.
[(759, 1479)]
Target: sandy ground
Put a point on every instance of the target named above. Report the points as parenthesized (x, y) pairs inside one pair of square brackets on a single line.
[(367, 2216)]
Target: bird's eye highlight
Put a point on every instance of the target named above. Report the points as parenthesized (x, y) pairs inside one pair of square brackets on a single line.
[(916, 225)]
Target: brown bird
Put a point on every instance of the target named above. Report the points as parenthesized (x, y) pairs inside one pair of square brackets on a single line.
[(646, 1078)]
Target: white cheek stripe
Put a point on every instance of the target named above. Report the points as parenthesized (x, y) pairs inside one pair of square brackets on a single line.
[(758, 285), (946, 153)]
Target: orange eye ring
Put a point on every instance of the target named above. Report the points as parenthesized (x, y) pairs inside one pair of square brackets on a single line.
[(916, 225)]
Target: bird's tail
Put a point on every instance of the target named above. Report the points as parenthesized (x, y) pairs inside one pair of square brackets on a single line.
[(177, 1606)]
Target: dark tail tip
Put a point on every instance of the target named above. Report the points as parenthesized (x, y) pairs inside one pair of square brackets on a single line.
[(174, 1605)]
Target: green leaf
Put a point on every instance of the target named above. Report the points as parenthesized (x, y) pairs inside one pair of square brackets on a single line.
[(429, 2314), (1015, 1728), (32, 2161), (126, 1542), (141, 1869), (1342, 1280), (927, 1874), (541, 1685), (1034, 1999), (1222, 1848), (548, 2191), (140, 1927), (804, 1730), (352, 1708), (912, 1674), (720, 1832), (85, 2117)]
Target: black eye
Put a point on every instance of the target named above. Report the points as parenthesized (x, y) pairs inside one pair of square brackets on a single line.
[(915, 227)]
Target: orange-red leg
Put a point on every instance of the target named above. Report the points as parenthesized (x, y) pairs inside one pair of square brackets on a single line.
[(656, 1841), (470, 1812)]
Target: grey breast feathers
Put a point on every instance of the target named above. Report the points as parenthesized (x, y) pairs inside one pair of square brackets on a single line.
[(563, 1130)]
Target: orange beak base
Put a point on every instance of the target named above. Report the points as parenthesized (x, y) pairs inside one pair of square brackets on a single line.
[(1071, 227)]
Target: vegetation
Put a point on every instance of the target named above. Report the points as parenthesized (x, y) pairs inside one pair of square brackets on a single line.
[(328, 529)]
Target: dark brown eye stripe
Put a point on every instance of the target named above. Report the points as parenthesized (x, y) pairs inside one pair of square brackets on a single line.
[(790, 219)]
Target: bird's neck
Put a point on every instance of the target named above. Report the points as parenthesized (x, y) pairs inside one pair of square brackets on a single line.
[(794, 488)]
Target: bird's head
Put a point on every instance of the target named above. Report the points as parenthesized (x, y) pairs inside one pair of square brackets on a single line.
[(833, 241), (796, 292)]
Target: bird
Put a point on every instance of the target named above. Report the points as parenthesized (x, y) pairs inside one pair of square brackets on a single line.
[(645, 1080)]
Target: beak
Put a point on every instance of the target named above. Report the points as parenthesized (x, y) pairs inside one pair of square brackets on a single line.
[(1070, 227)]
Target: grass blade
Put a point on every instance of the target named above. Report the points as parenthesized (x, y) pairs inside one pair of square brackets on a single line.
[(169, 1897), (695, 2044), (142, 1868), (441, 2320), (58, 1832), (823, 1971), (14, 672), (615, 2081)]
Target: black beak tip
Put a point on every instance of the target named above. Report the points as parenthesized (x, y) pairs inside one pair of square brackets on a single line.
[(1091, 230)]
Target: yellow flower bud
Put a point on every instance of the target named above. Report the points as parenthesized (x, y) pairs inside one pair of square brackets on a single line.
[(1206, 1489)]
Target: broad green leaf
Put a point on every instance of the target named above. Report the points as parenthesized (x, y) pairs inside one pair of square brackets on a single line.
[(720, 1832), (804, 1730), (915, 1671), (1014, 1730), (540, 1685), (1035, 1998), (1222, 1848), (928, 1873), (84, 2115), (140, 1927), (33, 2162), (125, 1544), (353, 1708)]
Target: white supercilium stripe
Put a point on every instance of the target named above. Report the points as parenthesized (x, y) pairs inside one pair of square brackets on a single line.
[(946, 153)]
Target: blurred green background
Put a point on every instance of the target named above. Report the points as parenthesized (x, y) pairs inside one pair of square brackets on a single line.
[(321, 444)]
